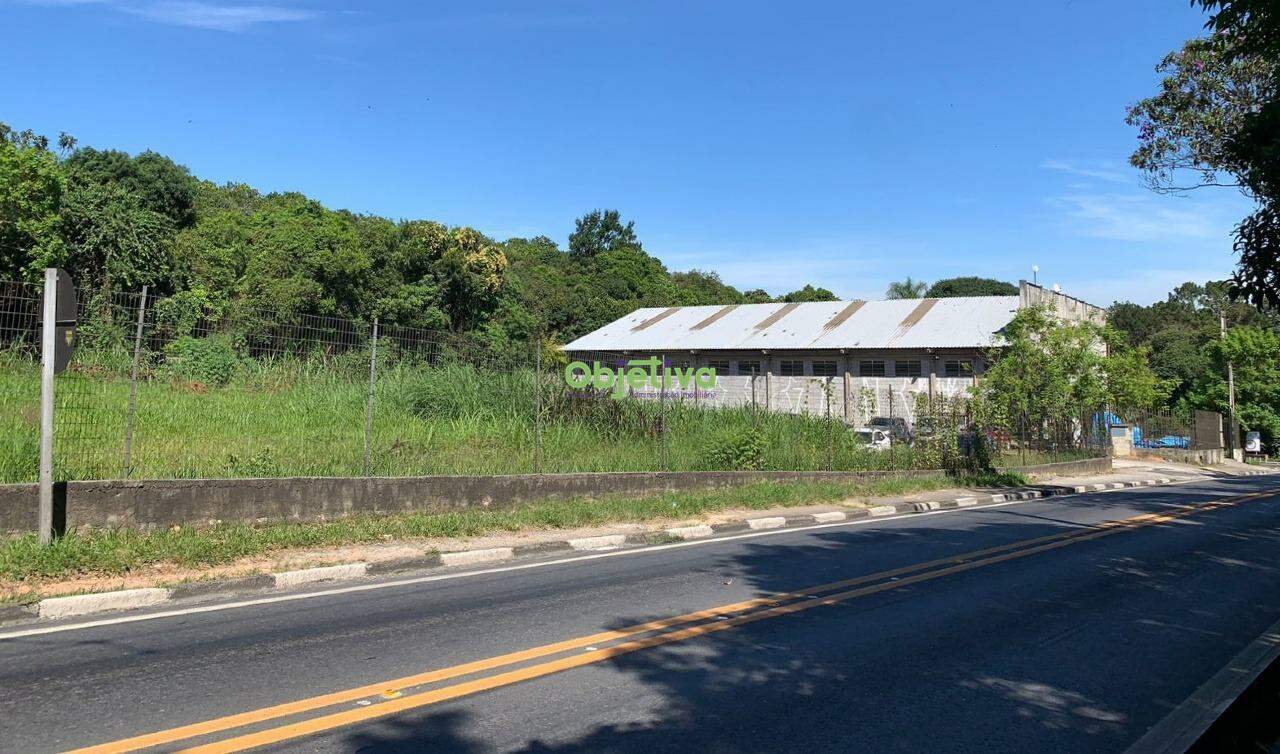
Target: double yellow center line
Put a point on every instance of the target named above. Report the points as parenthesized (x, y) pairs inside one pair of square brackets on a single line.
[(389, 698)]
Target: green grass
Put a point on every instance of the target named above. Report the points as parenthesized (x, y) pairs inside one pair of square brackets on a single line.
[(117, 551), (307, 419)]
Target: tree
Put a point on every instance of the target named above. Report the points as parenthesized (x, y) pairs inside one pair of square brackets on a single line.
[(31, 187), (757, 296), (698, 288), (1218, 111), (472, 273), (155, 181), (970, 286), (1255, 354), (113, 242), (1205, 98), (1052, 371), (599, 231), (808, 293), (906, 289), (1130, 380), (1175, 331)]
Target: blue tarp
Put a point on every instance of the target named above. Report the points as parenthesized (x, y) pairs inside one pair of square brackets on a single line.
[(1168, 441)]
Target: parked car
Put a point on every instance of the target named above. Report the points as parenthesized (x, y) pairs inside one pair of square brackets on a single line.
[(895, 426), (875, 439)]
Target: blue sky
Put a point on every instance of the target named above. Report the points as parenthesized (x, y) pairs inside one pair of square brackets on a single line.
[(843, 144)]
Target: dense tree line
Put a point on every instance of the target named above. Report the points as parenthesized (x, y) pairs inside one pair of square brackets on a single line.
[(950, 288), (118, 222), (1188, 350)]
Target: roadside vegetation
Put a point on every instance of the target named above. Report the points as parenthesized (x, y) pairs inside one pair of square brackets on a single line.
[(121, 551), (295, 418)]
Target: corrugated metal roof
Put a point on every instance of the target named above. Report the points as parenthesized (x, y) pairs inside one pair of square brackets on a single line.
[(971, 322)]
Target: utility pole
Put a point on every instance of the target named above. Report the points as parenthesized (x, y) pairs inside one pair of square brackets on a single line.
[(1231, 387)]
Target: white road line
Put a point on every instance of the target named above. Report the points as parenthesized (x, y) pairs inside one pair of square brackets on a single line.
[(195, 610)]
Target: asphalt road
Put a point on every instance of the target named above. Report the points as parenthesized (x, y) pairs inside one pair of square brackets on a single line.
[(1033, 626)]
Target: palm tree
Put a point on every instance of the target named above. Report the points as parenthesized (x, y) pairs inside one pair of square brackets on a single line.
[(906, 289)]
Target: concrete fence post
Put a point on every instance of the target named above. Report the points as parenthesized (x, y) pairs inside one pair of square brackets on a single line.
[(1022, 436), (133, 386), (831, 428), (662, 414), (537, 406), (47, 341), (893, 439), (368, 408)]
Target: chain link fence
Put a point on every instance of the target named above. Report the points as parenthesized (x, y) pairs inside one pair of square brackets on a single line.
[(179, 388)]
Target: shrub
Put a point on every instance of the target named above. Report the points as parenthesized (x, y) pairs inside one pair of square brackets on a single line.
[(212, 360), (735, 451)]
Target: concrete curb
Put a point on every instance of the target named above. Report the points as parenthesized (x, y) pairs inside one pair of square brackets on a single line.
[(606, 542), (472, 557), (287, 579), (83, 604)]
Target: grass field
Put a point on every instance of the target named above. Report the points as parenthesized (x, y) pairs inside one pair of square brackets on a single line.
[(296, 420), (307, 418)]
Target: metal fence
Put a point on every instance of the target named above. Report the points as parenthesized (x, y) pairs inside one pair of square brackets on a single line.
[(174, 388), (1165, 429)]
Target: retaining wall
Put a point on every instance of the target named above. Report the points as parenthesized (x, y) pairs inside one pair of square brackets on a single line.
[(1179, 455), (157, 503)]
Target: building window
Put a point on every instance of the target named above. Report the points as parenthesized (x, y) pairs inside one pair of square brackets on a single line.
[(906, 368), (749, 367), (871, 368), (678, 363), (823, 368), (791, 368), (721, 366), (957, 368)]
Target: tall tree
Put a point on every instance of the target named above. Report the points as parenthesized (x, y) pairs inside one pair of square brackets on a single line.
[(970, 286), (155, 181), (31, 187), (704, 288), (808, 293), (1255, 354), (907, 288), (1218, 112), (113, 241), (599, 231)]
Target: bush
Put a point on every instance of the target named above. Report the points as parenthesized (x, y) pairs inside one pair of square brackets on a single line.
[(213, 360), (735, 451)]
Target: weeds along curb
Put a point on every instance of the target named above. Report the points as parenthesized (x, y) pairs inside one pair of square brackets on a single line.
[(128, 599)]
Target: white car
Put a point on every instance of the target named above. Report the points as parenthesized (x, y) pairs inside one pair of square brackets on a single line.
[(873, 438)]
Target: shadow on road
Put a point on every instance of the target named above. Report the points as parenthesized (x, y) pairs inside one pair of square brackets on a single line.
[(1010, 656)]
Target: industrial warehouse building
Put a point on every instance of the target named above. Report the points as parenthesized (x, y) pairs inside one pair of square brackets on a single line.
[(852, 359)]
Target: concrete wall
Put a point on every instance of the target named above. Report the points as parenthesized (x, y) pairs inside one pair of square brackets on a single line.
[(1178, 455), (854, 399), (158, 503), (1100, 465), (1067, 308)]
